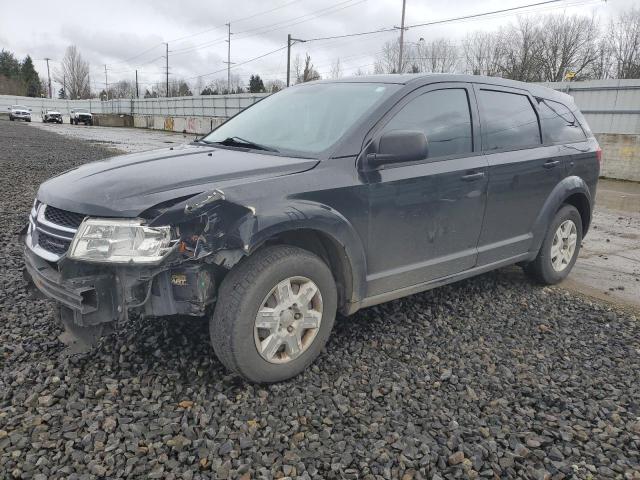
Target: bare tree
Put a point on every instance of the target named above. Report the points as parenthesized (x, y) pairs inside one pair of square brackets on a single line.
[(74, 73), (273, 86), (336, 69), (122, 89), (568, 43), (437, 56), (309, 73), (482, 53), (387, 60), (522, 48), (624, 44)]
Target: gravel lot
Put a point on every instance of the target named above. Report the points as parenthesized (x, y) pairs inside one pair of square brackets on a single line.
[(492, 377)]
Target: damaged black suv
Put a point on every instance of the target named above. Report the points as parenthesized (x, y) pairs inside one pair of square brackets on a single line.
[(326, 197)]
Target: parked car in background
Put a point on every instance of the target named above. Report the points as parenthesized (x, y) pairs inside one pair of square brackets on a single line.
[(326, 197), (81, 115), (51, 116), (19, 112)]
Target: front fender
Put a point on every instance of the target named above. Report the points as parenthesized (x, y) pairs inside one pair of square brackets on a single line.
[(238, 228), (567, 187), (267, 222)]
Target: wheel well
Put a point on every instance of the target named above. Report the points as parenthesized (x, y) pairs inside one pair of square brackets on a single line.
[(329, 250), (580, 201)]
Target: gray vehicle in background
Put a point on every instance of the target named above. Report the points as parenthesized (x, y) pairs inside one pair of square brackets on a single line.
[(19, 112)]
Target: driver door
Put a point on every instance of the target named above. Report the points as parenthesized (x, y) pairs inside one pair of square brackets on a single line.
[(425, 217)]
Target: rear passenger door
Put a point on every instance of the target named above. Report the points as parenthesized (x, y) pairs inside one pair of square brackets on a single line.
[(425, 216), (522, 171)]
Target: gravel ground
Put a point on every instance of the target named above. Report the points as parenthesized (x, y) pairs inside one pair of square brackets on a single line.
[(491, 377)]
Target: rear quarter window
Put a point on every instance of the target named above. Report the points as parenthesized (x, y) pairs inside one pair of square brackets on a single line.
[(559, 124)]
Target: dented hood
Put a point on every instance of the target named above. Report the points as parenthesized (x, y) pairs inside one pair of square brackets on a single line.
[(126, 185)]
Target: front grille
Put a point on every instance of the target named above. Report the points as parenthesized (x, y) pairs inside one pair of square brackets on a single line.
[(63, 217), (53, 244), (51, 231)]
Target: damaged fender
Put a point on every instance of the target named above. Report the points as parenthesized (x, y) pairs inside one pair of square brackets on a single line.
[(232, 229)]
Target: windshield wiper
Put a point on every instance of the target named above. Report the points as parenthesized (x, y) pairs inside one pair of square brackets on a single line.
[(241, 142)]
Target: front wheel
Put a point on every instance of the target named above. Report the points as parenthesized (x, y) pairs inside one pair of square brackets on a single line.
[(560, 248), (274, 314)]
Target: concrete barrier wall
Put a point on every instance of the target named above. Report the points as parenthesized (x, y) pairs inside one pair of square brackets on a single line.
[(197, 125), (620, 156)]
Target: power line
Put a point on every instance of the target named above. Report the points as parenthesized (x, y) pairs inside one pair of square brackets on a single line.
[(238, 64), (341, 5), (274, 26), (237, 20)]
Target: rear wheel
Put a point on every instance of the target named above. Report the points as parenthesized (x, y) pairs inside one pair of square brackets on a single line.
[(559, 249), (274, 314)]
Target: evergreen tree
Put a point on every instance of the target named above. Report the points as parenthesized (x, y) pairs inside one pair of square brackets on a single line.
[(30, 78), (255, 84), (9, 64), (62, 94)]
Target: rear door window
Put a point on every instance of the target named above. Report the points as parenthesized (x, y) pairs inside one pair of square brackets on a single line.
[(443, 116), (559, 125), (508, 121)]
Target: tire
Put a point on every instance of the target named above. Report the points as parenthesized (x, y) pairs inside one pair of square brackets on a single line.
[(542, 268), (244, 292)]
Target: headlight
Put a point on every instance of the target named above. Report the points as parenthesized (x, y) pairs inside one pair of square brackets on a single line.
[(120, 241)]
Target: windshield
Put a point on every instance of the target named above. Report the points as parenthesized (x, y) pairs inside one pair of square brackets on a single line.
[(19, 107), (81, 110), (306, 119)]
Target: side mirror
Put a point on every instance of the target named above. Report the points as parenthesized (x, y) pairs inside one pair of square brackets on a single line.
[(30, 110), (399, 146)]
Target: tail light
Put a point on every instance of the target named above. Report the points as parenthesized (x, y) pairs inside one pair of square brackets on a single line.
[(599, 156)]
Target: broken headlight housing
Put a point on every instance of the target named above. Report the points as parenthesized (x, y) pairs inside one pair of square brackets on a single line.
[(120, 241)]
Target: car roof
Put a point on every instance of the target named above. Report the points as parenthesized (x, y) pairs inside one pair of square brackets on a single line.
[(427, 78)]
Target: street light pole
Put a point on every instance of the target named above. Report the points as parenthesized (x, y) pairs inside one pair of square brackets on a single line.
[(167, 58), (291, 41), (49, 77), (228, 62), (404, 4)]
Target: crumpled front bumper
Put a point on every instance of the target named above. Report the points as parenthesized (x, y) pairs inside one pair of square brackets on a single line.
[(93, 299)]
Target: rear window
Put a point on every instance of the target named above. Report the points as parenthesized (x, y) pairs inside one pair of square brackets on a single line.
[(558, 123), (508, 121)]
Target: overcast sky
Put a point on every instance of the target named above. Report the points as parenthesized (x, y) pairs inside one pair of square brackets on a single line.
[(127, 35)]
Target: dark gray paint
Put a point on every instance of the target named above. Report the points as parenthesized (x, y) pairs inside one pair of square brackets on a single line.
[(404, 228)]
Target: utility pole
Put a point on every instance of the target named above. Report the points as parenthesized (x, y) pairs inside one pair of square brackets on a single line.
[(404, 4), (137, 92), (291, 41), (106, 82), (228, 62), (49, 76), (167, 58), (64, 85)]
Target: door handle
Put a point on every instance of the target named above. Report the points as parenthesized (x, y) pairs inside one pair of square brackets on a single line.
[(472, 177), (551, 163)]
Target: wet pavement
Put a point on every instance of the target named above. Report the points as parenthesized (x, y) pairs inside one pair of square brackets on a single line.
[(128, 140), (609, 263)]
